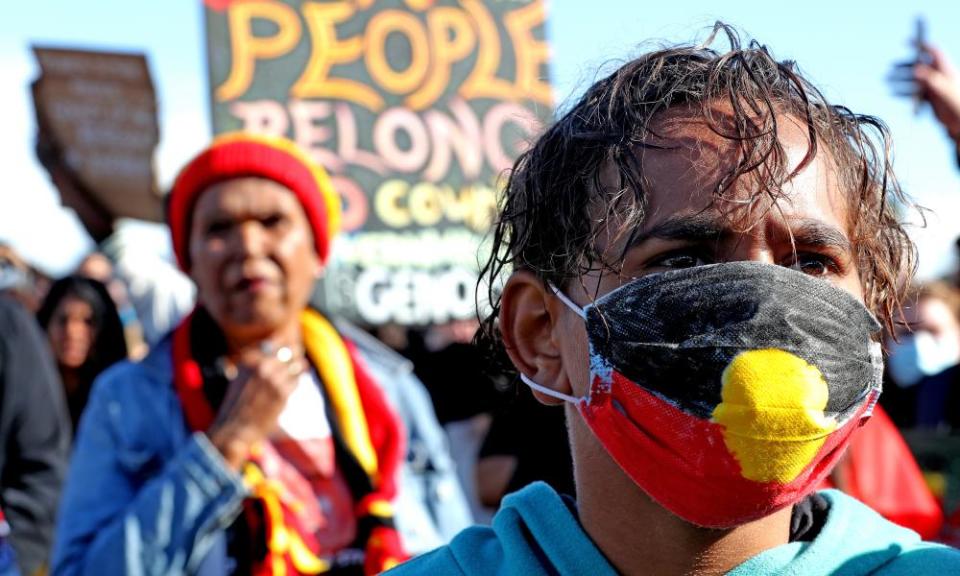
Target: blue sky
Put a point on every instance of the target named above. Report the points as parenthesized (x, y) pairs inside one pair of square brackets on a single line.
[(846, 47)]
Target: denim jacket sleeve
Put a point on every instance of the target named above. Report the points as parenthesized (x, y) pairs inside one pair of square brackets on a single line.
[(143, 496)]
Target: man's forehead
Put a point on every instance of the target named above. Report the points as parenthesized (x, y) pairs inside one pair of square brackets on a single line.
[(714, 133), (714, 169), (683, 172)]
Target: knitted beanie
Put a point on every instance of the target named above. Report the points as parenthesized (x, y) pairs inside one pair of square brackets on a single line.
[(240, 155)]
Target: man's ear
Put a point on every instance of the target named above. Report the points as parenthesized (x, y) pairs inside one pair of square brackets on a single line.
[(529, 318)]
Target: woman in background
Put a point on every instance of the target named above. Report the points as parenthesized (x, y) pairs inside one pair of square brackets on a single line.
[(85, 335)]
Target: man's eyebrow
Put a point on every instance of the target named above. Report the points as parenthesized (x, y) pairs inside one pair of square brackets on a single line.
[(707, 227), (695, 227), (816, 233)]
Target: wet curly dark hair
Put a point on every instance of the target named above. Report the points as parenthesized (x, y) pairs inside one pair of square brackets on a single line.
[(545, 226)]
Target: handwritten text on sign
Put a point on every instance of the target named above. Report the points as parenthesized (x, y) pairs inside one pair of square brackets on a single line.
[(415, 108)]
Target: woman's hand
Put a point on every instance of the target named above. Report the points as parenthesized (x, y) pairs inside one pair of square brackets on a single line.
[(256, 396)]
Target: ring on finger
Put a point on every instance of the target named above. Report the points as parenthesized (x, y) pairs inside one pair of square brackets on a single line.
[(295, 368), (284, 354)]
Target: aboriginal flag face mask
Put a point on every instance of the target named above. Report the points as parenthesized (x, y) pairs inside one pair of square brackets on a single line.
[(727, 391)]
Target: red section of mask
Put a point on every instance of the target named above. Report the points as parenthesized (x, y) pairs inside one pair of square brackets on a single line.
[(682, 462)]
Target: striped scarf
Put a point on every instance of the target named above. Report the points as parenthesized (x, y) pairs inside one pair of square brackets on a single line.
[(369, 430)]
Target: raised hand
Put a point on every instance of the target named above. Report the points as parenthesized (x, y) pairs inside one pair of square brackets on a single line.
[(939, 84)]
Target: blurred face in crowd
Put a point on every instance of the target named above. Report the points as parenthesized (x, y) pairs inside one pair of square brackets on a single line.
[(99, 267), (252, 256), (18, 281), (96, 266), (932, 315), (926, 341), (71, 332)]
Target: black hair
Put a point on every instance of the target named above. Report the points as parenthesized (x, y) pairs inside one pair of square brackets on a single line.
[(555, 205), (108, 346)]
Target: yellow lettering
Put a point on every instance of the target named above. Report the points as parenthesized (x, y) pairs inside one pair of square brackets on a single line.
[(456, 206), (483, 81), (451, 40), (418, 5), (387, 204), (483, 208), (378, 30), (425, 204), (329, 50), (246, 48), (530, 52), (400, 205)]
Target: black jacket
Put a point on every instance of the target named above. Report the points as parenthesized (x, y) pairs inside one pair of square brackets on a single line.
[(34, 435)]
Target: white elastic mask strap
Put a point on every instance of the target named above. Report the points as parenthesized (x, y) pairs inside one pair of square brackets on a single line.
[(548, 391), (566, 300)]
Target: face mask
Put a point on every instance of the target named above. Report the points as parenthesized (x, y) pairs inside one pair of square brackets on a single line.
[(921, 354), (727, 391)]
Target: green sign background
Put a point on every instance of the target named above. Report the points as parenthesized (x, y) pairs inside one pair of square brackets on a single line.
[(419, 183)]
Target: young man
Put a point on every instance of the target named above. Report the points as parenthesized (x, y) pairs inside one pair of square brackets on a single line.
[(698, 253)]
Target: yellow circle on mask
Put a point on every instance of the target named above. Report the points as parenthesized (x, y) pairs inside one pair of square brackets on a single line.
[(772, 413)]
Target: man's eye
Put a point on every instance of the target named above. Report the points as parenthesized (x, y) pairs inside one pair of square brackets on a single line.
[(815, 264), (679, 260)]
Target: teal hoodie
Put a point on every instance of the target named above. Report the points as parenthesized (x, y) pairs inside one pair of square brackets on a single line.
[(536, 533)]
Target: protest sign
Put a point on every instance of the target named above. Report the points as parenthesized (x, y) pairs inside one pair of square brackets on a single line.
[(416, 108), (97, 122)]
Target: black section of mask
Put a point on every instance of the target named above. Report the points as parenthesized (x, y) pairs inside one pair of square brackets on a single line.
[(675, 332)]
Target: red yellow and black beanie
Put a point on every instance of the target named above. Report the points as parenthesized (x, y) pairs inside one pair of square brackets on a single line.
[(239, 155)]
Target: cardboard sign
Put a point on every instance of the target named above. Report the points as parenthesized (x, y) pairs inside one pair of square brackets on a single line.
[(416, 108), (97, 119)]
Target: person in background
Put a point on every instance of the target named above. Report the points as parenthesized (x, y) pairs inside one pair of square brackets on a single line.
[(454, 370), (923, 350), (34, 439), (938, 83), (698, 254), (431, 504), (465, 394), (161, 295), (519, 449), (99, 267), (923, 361), (253, 440), (20, 281), (85, 335), (920, 388), (879, 470), (8, 559)]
